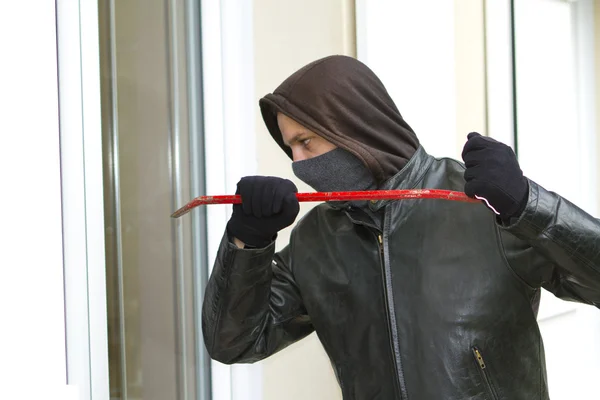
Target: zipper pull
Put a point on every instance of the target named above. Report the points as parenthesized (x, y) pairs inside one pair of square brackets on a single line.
[(479, 358), (380, 239)]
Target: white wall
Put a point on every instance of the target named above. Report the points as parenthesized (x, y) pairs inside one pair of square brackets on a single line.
[(470, 71), (430, 56), (411, 48)]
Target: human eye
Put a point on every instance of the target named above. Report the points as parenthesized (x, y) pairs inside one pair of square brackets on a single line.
[(305, 142)]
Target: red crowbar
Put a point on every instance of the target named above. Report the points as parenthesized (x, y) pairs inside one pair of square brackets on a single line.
[(338, 196)]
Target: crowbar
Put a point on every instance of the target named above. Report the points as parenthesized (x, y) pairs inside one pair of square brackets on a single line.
[(372, 195)]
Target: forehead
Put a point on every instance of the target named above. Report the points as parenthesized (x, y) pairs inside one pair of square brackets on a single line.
[(286, 123), (290, 129)]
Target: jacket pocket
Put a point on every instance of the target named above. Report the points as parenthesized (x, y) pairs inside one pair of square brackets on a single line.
[(485, 372)]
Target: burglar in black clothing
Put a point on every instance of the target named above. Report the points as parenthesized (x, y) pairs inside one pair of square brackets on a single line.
[(416, 299)]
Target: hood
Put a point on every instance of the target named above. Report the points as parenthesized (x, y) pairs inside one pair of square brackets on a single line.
[(342, 100)]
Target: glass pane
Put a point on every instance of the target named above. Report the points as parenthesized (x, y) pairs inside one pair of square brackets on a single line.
[(152, 148)]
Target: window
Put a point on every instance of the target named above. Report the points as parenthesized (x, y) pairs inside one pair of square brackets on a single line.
[(153, 163)]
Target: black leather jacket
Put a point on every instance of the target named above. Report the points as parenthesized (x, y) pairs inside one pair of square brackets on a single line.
[(439, 304)]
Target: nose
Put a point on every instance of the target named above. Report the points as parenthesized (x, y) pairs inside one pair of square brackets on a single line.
[(298, 154)]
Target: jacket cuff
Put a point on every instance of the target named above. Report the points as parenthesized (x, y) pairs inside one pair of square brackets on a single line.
[(248, 253), (536, 216)]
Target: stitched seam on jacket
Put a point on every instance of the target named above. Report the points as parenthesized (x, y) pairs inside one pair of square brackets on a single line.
[(421, 177), (524, 218), (391, 304), (507, 262)]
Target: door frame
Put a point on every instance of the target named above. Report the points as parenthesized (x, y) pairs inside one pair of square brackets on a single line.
[(82, 198)]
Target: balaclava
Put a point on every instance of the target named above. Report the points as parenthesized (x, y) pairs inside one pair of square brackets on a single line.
[(336, 170)]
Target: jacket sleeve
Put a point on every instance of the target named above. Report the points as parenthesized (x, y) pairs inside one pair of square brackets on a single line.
[(252, 306), (559, 247)]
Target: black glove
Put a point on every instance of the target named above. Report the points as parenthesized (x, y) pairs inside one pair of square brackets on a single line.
[(493, 175), (269, 204)]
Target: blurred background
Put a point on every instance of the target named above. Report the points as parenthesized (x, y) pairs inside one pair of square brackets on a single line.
[(157, 102)]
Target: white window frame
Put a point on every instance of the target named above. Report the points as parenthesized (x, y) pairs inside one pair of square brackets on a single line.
[(584, 23), (499, 71), (83, 198)]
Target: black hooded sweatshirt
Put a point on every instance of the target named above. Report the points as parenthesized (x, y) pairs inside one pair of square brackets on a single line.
[(341, 99)]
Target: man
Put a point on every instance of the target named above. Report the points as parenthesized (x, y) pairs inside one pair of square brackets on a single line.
[(417, 299)]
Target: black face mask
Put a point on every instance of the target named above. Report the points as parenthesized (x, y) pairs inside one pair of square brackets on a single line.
[(336, 170)]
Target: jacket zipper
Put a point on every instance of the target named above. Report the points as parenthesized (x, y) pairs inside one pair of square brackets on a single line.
[(391, 320), (390, 313), (484, 372)]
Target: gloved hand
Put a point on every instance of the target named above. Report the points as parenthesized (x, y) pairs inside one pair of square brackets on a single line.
[(269, 204), (493, 175)]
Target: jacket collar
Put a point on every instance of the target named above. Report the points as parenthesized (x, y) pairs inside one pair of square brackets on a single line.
[(408, 177)]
